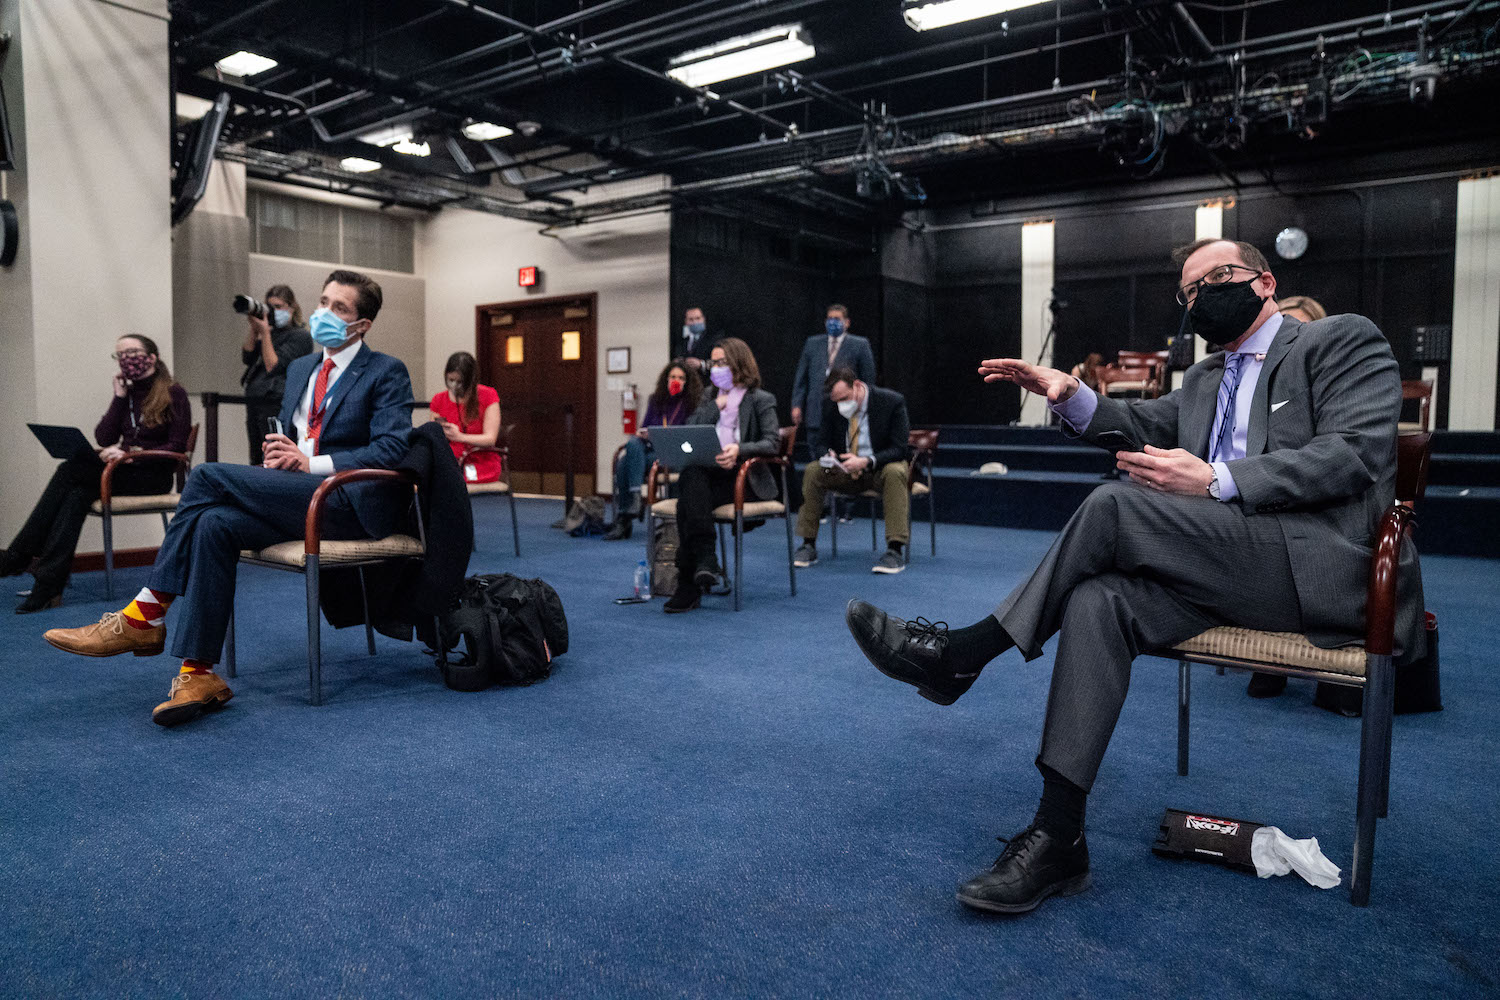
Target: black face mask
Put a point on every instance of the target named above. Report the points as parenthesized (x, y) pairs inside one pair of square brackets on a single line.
[(1221, 313)]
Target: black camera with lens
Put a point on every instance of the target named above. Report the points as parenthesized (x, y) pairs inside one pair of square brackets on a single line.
[(250, 306)]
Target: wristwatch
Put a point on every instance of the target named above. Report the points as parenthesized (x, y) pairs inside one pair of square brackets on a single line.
[(1213, 485)]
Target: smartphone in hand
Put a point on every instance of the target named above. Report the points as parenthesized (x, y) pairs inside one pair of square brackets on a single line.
[(273, 426), (1116, 441)]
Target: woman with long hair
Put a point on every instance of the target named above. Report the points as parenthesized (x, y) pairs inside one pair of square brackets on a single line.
[(744, 415), (470, 415), (149, 411), (272, 342), (1303, 307), (679, 390)]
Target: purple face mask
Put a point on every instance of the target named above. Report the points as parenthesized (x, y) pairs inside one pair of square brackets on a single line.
[(722, 377), (136, 366)]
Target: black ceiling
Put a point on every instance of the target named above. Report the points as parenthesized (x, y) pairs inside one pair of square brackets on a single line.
[(880, 118)]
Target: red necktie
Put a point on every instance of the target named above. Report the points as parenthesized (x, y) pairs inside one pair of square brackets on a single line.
[(315, 417)]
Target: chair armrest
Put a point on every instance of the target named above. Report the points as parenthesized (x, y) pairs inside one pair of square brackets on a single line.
[(651, 485), (1380, 601), (106, 478), (314, 525), (743, 474), (480, 449)]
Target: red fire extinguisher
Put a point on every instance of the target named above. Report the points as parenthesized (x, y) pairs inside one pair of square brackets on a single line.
[(628, 413)]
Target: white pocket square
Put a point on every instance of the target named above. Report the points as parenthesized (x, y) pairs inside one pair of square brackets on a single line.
[(1277, 406)]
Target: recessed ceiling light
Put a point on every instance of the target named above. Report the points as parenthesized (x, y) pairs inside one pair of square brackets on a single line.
[(485, 131), (742, 55), (388, 136), (412, 148), (244, 63), (192, 108), (358, 164), (925, 14)]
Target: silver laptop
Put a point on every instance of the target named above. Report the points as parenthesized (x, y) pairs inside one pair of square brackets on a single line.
[(679, 447)]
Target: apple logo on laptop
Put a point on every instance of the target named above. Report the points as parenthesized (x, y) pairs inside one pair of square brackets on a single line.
[(687, 448)]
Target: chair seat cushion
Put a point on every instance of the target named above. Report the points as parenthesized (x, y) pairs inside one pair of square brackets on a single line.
[(153, 503), (725, 512), (294, 553), (495, 487), (917, 490), (1127, 387), (1286, 649)]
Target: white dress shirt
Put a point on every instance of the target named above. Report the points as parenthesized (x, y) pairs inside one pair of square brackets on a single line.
[(321, 465)]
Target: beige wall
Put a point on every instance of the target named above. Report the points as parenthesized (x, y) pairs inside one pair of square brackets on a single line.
[(470, 258), (87, 84)]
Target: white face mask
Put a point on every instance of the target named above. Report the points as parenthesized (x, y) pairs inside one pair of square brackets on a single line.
[(847, 408)]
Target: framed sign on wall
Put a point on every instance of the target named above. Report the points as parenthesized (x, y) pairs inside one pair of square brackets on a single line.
[(617, 360)]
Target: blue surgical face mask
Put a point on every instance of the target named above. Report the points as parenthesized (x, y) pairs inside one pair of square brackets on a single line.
[(281, 318), (833, 326), (327, 329), (696, 329)]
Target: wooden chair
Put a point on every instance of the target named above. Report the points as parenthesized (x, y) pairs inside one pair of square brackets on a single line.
[(667, 478), (1422, 392), (923, 445), (1140, 379), (109, 506), (1368, 667), (312, 553), (735, 513), (501, 485)]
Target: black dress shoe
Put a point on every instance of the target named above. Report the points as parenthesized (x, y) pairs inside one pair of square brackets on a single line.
[(1266, 685), (707, 575), (621, 529), (913, 652), (38, 600), (1033, 866), (687, 598)]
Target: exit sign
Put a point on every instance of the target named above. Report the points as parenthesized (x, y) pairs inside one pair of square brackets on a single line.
[(527, 277)]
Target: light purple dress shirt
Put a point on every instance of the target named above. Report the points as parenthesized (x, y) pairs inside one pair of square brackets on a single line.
[(729, 418), (1078, 409)]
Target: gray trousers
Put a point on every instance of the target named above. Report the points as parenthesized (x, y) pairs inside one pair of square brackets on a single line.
[(1135, 569)]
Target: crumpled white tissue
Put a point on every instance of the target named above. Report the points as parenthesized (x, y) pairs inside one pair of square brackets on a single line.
[(1274, 853)]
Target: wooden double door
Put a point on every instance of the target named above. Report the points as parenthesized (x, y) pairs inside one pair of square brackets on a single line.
[(540, 355)]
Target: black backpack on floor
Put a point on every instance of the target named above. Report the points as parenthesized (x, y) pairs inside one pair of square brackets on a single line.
[(502, 630)]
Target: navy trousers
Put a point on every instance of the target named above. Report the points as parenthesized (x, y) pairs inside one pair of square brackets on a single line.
[(226, 508)]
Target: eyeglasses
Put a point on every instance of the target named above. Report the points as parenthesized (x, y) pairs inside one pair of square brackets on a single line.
[(134, 352), (1218, 276)]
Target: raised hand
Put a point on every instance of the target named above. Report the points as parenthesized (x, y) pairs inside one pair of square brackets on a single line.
[(1055, 385)]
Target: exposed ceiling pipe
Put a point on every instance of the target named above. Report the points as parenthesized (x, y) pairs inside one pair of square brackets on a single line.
[(1353, 22), (215, 30), (1185, 18)]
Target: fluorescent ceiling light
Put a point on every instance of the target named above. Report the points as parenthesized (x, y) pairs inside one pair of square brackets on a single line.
[(411, 148), (192, 108), (925, 14), (486, 131), (358, 164), (245, 64), (388, 136), (743, 55)]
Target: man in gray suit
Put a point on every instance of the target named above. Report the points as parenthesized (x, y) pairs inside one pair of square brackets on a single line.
[(837, 348), (1254, 492)]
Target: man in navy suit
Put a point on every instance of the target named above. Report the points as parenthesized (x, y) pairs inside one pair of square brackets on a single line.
[(837, 348), (349, 407)]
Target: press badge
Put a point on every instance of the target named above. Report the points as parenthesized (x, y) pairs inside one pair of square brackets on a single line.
[(471, 473)]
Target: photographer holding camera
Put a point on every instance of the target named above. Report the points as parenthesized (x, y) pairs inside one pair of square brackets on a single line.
[(277, 337)]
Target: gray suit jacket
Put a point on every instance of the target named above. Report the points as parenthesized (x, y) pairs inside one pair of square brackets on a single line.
[(759, 435), (1320, 458), (813, 368)]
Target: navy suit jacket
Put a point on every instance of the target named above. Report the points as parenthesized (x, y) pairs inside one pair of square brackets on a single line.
[(366, 425), (813, 368)]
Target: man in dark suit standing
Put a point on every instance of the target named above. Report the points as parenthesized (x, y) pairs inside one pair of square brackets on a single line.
[(862, 441), (1252, 501), (695, 343), (349, 407), (836, 348)]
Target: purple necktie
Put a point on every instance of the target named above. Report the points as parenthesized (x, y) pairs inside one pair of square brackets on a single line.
[(1224, 420)]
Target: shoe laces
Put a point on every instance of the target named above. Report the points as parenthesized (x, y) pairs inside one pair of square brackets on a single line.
[(1017, 846), (114, 621), (925, 631)]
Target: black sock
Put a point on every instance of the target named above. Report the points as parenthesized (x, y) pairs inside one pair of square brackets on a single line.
[(1062, 806), (979, 643), (811, 543), (895, 547)]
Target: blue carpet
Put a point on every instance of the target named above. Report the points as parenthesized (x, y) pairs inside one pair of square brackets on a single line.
[(706, 805)]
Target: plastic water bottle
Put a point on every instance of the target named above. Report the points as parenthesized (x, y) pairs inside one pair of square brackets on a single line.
[(642, 580)]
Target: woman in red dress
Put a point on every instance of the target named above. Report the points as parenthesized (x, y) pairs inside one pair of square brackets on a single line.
[(470, 415)]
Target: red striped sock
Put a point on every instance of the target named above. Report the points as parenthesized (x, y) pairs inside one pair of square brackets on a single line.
[(148, 610)]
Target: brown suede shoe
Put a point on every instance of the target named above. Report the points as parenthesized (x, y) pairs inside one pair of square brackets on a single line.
[(190, 696), (109, 636)]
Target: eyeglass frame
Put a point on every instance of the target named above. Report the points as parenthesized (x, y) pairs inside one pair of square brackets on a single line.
[(1188, 292), (130, 352)]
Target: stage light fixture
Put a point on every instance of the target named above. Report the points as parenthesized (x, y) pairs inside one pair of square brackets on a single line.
[(742, 55), (1291, 242), (410, 147), (244, 64), (923, 15), (486, 131), (358, 164)]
